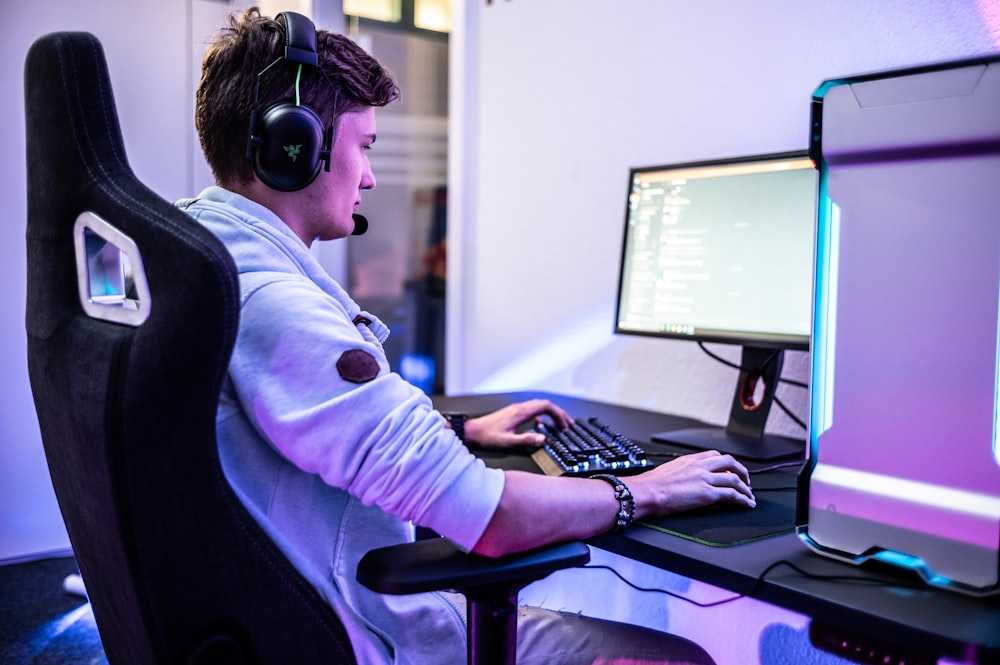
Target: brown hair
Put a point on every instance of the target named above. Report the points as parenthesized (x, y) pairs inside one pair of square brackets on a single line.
[(346, 76)]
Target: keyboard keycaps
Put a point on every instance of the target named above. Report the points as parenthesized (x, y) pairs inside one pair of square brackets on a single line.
[(587, 447)]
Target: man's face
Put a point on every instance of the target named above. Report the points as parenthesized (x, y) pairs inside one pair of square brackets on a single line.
[(333, 197)]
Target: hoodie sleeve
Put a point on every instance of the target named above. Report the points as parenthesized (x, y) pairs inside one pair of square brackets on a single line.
[(317, 386)]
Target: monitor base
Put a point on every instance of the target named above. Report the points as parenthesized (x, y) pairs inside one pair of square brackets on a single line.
[(764, 449)]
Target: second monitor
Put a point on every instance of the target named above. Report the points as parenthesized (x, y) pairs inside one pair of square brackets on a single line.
[(722, 251)]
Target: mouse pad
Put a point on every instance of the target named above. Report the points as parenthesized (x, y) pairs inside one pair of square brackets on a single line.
[(725, 526)]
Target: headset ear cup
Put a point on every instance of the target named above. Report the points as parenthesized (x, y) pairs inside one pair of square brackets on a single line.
[(288, 146)]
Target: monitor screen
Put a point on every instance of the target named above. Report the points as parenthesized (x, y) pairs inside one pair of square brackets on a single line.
[(720, 251)]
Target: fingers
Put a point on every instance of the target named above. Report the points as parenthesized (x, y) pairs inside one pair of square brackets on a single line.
[(499, 428), (561, 417), (716, 461), (738, 498), (729, 473), (701, 479), (536, 408), (529, 439), (734, 467), (741, 494)]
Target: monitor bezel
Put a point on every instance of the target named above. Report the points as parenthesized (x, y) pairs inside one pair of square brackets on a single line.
[(748, 338)]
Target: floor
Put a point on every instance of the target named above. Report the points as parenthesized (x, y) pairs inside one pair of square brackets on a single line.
[(42, 623)]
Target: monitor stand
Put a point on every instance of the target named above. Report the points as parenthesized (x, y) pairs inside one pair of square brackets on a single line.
[(744, 436)]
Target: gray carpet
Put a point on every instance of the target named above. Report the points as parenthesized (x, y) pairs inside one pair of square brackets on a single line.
[(42, 623)]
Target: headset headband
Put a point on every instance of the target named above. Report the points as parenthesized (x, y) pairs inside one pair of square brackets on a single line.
[(300, 39)]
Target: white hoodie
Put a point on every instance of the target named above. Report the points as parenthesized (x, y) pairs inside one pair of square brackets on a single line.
[(332, 466)]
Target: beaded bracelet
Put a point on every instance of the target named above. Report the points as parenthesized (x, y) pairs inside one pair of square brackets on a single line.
[(626, 502), (457, 422)]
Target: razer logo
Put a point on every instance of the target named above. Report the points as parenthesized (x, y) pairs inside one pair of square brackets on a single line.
[(293, 150)]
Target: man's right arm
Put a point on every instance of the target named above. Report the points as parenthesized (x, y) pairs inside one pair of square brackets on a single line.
[(536, 510)]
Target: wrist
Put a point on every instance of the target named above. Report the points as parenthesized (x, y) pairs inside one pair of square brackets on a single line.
[(457, 422), (644, 495), (626, 502)]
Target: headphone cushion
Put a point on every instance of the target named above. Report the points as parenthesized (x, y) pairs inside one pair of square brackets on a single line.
[(288, 156)]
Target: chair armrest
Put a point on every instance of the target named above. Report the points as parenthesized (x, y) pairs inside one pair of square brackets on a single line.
[(436, 564)]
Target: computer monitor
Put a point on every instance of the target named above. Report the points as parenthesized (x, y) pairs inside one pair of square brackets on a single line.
[(722, 251)]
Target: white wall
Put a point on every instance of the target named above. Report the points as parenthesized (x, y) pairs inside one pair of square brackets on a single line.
[(552, 103)]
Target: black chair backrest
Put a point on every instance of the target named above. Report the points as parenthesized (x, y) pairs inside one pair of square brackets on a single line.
[(177, 571)]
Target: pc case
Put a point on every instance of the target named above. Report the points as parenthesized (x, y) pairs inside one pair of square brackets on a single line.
[(903, 465)]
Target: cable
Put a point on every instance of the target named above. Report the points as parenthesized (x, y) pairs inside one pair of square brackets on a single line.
[(668, 456), (896, 584), (665, 592), (788, 412), (760, 578), (298, 78), (730, 363), (737, 366), (764, 469), (776, 466), (792, 382)]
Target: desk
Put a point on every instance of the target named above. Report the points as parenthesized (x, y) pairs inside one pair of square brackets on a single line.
[(922, 620)]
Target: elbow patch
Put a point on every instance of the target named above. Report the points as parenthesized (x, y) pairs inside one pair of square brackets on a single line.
[(357, 366)]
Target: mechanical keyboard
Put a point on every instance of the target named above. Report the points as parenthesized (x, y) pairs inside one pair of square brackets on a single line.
[(587, 447)]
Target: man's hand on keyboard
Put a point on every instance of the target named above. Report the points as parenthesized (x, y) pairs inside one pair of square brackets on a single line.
[(692, 481), (499, 429)]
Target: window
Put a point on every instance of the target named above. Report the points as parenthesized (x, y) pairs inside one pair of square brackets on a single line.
[(416, 15), (432, 15), (387, 11)]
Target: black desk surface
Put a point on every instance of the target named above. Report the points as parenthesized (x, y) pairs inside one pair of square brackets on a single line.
[(877, 605)]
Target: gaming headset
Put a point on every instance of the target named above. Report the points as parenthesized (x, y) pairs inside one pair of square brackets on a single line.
[(289, 144)]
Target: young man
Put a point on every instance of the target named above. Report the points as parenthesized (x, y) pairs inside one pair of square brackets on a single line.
[(334, 453)]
